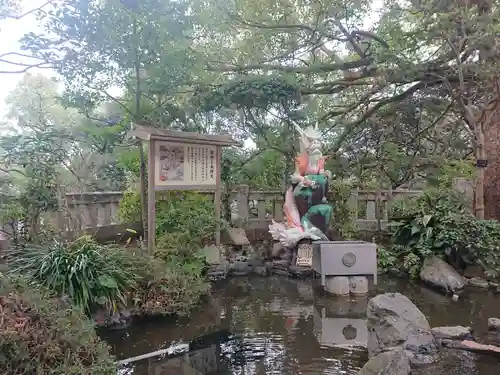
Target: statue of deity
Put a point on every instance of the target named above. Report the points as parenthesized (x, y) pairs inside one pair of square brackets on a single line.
[(306, 208)]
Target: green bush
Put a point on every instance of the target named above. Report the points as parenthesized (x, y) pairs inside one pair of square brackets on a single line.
[(167, 290), (46, 336), (90, 274), (386, 259), (343, 216), (440, 223), (181, 251), (185, 221), (176, 212)]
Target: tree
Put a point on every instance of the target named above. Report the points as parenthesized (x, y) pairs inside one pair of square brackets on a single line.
[(411, 55), (19, 61), (118, 44)]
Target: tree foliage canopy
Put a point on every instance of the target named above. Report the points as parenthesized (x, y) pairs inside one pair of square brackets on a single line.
[(397, 88)]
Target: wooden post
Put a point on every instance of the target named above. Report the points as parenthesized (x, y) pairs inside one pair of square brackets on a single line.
[(151, 198), (217, 200), (142, 188)]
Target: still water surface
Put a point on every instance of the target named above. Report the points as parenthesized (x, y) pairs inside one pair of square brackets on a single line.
[(279, 326)]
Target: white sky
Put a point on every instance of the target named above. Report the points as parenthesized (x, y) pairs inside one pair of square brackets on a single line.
[(10, 32)]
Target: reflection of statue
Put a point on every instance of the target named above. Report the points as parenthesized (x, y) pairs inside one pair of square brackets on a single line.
[(306, 210)]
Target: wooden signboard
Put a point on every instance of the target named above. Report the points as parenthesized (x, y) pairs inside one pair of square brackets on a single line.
[(185, 166), (181, 161)]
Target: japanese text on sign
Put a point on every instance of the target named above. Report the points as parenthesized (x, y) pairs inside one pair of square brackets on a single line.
[(184, 165)]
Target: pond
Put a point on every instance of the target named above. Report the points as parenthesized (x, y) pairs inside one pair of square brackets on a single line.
[(281, 326)]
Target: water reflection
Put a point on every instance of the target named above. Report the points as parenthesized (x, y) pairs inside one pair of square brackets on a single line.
[(280, 326)]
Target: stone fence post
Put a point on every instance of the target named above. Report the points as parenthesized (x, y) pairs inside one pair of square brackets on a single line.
[(242, 192)]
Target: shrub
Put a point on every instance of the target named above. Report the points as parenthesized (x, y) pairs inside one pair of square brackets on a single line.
[(343, 217), (386, 259), (88, 273), (185, 221), (183, 212), (166, 290), (46, 336), (440, 223)]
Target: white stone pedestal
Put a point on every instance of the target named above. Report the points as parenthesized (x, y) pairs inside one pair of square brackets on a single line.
[(347, 285), (337, 285), (358, 285)]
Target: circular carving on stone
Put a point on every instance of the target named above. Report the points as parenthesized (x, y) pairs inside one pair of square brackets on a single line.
[(349, 259), (350, 332)]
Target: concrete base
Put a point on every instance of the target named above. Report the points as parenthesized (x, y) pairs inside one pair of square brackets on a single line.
[(337, 285), (358, 285)]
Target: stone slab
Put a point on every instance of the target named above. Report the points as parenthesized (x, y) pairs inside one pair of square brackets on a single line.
[(212, 254), (238, 236)]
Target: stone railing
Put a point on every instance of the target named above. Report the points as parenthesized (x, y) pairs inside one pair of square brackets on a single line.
[(95, 212), (256, 209)]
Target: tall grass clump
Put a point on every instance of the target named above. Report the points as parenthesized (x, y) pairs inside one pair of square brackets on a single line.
[(90, 274)]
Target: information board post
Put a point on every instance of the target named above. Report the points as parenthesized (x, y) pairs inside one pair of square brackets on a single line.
[(217, 198), (182, 161), (151, 229)]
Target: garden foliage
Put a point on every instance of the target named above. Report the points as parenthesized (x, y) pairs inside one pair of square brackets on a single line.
[(41, 335), (440, 223), (90, 274)]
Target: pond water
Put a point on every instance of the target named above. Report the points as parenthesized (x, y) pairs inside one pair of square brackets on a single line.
[(281, 326)]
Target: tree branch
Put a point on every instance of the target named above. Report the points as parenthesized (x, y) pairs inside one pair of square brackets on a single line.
[(317, 68), (22, 15)]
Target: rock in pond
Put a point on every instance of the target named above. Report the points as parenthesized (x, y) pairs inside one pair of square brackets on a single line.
[(277, 250), (217, 272), (280, 267), (479, 282), (393, 321), (452, 333), (439, 274), (392, 362), (261, 270), (494, 324), (241, 268), (300, 272), (113, 321)]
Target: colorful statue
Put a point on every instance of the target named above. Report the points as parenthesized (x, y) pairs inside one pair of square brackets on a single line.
[(306, 209)]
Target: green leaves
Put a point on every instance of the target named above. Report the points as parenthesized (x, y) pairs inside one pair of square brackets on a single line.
[(108, 282), (109, 41), (90, 274), (438, 223)]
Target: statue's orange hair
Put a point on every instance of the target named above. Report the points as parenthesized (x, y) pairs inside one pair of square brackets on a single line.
[(301, 163)]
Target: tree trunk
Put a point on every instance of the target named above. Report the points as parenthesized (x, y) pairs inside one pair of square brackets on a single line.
[(480, 156), (492, 172)]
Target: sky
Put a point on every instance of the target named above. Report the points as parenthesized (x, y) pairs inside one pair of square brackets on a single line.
[(10, 32)]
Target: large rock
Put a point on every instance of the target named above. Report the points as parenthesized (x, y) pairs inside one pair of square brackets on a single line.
[(277, 250), (241, 268), (393, 321), (439, 274), (494, 324), (479, 282), (393, 362), (452, 333)]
